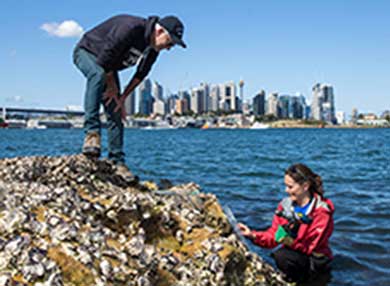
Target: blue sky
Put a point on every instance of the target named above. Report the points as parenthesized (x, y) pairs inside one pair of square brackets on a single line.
[(283, 46)]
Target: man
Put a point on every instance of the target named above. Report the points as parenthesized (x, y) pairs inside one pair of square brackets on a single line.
[(119, 42)]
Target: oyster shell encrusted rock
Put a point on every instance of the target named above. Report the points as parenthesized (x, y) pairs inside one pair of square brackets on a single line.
[(73, 221)]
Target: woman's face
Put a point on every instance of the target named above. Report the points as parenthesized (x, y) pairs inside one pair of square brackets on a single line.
[(298, 193)]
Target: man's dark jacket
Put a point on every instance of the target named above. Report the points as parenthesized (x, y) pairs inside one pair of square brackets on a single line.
[(122, 41)]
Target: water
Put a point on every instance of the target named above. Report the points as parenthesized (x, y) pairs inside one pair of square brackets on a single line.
[(244, 168)]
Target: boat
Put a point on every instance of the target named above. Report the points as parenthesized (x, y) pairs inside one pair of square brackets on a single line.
[(3, 124), (159, 125), (205, 126), (16, 123), (259, 125)]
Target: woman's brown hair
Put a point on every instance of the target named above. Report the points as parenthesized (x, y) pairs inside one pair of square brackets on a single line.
[(302, 173)]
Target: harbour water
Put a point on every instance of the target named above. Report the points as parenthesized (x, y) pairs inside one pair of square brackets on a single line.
[(244, 168)]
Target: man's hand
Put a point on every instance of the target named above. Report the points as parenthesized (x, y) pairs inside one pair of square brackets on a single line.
[(112, 91), (121, 107)]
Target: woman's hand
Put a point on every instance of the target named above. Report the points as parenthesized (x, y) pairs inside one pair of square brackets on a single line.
[(245, 231)]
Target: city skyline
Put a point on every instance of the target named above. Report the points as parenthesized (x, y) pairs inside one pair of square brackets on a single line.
[(283, 47), (226, 97)]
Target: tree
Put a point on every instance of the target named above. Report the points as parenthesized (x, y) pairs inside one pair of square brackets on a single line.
[(266, 118)]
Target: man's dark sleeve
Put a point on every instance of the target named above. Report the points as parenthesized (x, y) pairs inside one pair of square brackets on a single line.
[(146, 64), (118, 39)]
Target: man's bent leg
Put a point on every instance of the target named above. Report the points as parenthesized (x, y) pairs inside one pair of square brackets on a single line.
[(115, 131), (86, 62)]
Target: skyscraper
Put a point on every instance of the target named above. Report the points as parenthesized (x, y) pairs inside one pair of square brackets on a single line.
[(340, 116), (214, 98), (259, 103), (130, 104), (171, 103), (272, 104), (159, 107), (297, 107), (322, 106), (157, 91), (185, 95), (228, 97), (206, 96), (181, 106), (198, 104), (145, 97), (241, 99), (283, 106)]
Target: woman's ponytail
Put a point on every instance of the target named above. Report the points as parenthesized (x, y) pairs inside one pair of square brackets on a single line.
[(317, 185)]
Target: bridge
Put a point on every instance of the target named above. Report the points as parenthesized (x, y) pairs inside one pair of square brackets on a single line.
[(27, 112)]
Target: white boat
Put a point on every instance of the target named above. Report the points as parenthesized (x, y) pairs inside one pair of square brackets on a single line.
[(259, 125), (35, 124), (16, 123), (159, 125)]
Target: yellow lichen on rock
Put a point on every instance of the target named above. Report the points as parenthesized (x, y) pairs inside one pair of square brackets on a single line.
[(73, 271)]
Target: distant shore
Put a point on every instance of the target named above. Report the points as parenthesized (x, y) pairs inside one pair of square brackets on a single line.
[(206, 122), (295, 124)]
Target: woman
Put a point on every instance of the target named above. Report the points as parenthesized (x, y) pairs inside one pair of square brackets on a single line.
[(302, 225)]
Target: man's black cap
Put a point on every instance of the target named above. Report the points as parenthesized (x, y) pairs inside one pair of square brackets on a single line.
[(175, 29)]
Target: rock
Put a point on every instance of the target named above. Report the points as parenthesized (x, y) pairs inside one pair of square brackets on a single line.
[(74, 221)]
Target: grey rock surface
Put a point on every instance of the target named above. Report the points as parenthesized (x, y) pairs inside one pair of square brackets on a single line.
[(69, 221)]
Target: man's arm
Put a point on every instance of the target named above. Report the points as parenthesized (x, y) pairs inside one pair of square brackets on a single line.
[(142, 71), (134, 82)]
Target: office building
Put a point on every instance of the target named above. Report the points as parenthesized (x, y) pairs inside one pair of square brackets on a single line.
[(198, 104), (186, 97), (157, 91), (228, 93), (259, 104), (159, 107), (323, 107), (215, 98), (272, 104), (145, 97), (130, 104), (340, 117)]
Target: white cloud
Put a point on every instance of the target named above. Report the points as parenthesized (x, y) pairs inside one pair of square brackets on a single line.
[(66, 29)]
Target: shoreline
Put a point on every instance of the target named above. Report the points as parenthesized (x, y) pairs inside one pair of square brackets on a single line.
[(227, 128)]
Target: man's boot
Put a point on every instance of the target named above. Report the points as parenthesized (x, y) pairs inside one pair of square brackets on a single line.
[(91, 145), (124, 172)]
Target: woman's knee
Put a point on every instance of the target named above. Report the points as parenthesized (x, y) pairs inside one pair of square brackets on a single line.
[(292, 263)]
